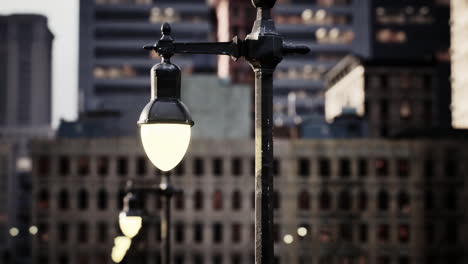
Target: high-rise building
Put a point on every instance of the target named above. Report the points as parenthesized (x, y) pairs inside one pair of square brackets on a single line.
[(336, 201), (332, 28), (114, 69), (394, 96), (459, 52), (25, 113)]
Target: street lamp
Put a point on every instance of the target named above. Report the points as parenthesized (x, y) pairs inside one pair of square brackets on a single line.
[(264, 49), (130, 219)]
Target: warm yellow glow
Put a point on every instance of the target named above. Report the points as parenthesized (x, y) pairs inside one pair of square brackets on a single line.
[(130, 225), (33, 230), (118, 254), (14, 231), (302, 231), (165, 144), (122, 242), (288, 239)]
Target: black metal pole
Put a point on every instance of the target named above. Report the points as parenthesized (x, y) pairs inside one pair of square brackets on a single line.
[(166, 219)]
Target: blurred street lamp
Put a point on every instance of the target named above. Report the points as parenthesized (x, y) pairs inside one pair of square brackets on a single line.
[(165, 121), (130, 219)]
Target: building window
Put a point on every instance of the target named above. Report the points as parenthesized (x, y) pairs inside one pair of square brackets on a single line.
[(325, 200), (362, 202), (217, 167), (179, 259), (363, 233), (82, 200), (252, 166), (324, 167), (236, 166), (344, 201), (236, 258), (362, 167), (179, 232), (198, 167), (450, 168), (102, 232), (452, 232), (43, 166), (428, 168), (276, 232), (102, 200), (276, 200), (303, 167), (345, 168), (382, 201), (404, 205), (83, 165), (180, 169), (236, 232), (381, 167), (63, 200), (141, 166), (64, 165), (405, 260), (345, 232), (198, 200), (429, 201), (179, 201), (383, 107), (198, 232), (157, 232), (122, 166), (43, 199), (383, 260), (120, 196), (451, 200), (236, 200), (405, 110), (217, 232), (217, 259), (62, 232), (383, 233), (403, 167), (217, 200), (82, 232), (403, 233), (303, 201), (103, 166)]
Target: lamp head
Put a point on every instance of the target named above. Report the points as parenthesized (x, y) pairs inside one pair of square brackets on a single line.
[(130, 219), (165, 122)]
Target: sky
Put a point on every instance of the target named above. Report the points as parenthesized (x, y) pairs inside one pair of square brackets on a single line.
[(63, 19)]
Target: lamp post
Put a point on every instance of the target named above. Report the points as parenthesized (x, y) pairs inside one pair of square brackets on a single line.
[(130, 219), (263, 48)]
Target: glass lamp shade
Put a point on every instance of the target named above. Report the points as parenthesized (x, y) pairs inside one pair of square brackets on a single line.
[(118, 254), (165, 144), (122, 242), (130, 225)]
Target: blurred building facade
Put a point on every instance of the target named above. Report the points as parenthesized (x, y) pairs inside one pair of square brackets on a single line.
[(392, 95), (360, 201), (332, 28), (220, 109), (25, 113), (114, 69), (459, 52)]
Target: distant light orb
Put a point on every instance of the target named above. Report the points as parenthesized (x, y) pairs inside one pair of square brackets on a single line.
[(14, 231), (302, 231), (288, 239), (33, 230)]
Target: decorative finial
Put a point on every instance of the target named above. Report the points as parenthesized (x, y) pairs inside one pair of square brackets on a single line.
[(166, 28)]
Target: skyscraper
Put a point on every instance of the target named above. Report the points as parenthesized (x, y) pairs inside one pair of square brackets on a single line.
[(114, 69), (25, 113)]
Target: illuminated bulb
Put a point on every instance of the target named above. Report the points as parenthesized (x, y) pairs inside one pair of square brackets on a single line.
[(130, 225), (302, 231), (118, 254), (321, 33), (321, 14), (122, 243), (307, 15), (165, 144), (288, 239)]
